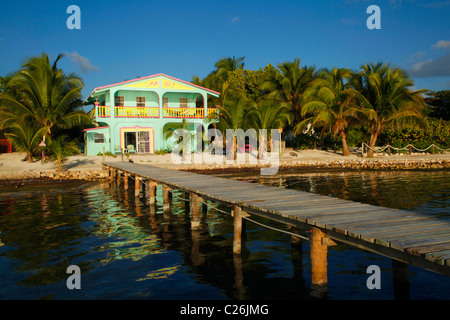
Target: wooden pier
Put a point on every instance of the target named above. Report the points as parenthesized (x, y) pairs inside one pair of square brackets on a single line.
[(406, 237)]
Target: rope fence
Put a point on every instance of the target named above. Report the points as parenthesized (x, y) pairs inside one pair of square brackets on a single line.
[(407, 148), (246, 218)]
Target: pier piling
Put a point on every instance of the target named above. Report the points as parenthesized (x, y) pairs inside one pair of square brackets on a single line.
[(166, 198), (319, 278), (125, 180), (195, 211), (237, 240), (137, 186)]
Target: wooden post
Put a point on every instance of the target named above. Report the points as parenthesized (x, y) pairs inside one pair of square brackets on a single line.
[(319, 279), (195, 211), (187, 204), (119, 175), (125, 180), (103, 159), (137, 186), (237, 240), (166, 198), (112, 173), (152, 193), (142, 190)]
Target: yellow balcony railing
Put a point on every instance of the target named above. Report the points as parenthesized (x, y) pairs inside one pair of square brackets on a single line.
[(153, 112), (210, 111), (136, 112), (103, 112), (183, 113)]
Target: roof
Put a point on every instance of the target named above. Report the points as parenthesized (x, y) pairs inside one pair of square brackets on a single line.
[(149, 77)]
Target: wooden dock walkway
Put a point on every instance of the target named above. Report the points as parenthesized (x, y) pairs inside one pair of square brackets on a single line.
[(406, 237)]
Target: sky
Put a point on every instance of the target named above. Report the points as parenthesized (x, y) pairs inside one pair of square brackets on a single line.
[(122, 40)]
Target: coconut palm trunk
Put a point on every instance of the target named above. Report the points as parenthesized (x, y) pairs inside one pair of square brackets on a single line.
[(345, 148), (375, 132)]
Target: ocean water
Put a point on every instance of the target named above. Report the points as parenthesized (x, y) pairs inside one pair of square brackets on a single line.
[(127, 249)]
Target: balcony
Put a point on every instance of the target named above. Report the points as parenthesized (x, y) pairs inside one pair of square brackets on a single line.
[(136, 112), (153, 112)]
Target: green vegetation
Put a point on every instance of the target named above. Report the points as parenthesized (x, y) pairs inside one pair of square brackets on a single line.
[(384, 91), (331, 103), (163, 151), (321, 107), (107, 154), (318, 108), (436, 132), (40, 101), (25, 138), (60, 148)]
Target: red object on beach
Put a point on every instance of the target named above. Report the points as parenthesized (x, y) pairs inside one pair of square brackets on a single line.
[(246, 148), (5, 146)]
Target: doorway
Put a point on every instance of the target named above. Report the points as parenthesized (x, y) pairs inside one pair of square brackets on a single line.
[(130, 139)]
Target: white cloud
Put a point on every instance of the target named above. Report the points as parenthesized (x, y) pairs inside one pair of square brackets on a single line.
[(439, 67), (235, 19), (83, 63), (417, 56), (442, 44)]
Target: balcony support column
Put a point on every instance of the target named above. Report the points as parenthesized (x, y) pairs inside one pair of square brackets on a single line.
[(205, 105)]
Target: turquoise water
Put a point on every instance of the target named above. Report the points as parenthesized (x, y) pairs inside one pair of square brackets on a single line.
[(128, 250)]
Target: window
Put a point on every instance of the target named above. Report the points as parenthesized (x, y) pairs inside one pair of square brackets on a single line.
[(165, 102), (140, 101), (99, 138), (183, 102), (119, 101)]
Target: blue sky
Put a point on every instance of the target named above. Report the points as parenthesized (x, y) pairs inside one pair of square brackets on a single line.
[(120, 40)]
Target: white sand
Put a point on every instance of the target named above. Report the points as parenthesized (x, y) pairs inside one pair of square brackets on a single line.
[(12, 166)]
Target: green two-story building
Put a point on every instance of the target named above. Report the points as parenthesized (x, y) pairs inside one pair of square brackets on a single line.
[(131, 116)]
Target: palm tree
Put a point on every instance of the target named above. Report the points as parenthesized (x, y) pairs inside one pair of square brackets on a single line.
[(61, 148), (225, 65), (169, 130), (232, 116), (289, 84), (331, 105), (217, 79), (385, 92), (25, 138), (268, 115), (44, 95)]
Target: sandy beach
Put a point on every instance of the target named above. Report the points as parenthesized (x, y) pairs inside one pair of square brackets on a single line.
[(12, 166)]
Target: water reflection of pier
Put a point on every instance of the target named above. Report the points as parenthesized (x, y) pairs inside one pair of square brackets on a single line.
[(331, 220), (149, 229)]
